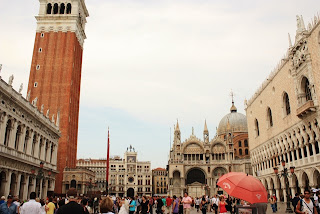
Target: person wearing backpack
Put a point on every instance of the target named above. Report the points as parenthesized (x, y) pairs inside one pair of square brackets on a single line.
[(306, 205)]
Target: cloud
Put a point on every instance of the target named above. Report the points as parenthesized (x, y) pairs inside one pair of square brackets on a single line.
[(156, 61)]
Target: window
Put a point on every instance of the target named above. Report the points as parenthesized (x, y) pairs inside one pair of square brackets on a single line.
[(286, 103), (269, 116), (257, 128), (239, 143), (240, 151), (49, 8), (38, 67), (246, 152), (55, 8), (35, 84), (68, 8), (246, 143), (62, 7), (306, 88), (40, 50), (42, 35)]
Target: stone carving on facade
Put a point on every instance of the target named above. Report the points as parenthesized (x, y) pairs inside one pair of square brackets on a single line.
[(47, 114), (299, 54), (52, 119), (28, 96), (41, 109), (21, 87), (34, 102), (11, 80)]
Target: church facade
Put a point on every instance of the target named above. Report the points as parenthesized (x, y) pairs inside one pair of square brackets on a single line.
[(195, 165)]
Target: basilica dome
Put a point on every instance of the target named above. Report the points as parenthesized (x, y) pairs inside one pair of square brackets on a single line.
[(235, 121)]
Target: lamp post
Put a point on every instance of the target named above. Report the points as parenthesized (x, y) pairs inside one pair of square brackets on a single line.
[(284, 173), (40, 174)]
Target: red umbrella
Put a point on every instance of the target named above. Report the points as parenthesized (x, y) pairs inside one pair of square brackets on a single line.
[(244, 186)]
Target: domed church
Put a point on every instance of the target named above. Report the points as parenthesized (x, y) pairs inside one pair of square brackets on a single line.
[(195, 165)]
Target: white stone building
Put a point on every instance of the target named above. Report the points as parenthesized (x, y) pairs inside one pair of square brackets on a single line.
[(283, 117), (27, 138), (127, 176)]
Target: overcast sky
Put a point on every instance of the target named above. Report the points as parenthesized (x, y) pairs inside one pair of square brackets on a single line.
[(148, 63)]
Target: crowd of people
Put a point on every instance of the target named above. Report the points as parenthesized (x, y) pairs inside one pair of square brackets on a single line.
[(72, 204)]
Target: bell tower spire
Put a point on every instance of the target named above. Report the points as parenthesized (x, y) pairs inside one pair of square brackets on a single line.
[(177, 134)]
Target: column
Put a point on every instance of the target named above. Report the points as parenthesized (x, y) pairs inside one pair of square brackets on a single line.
[(8, 183), (43, 150), (54, 158), (36, 146), (3, 122), (40, 189), (22, 137), (302, 189), (284, 195), (48, 151), (278, 193), (270, 191), (33, 186), (25, 188), (293, 191), (82, 188), (30, 142), (17, 190), (13, 133), (45, 189)]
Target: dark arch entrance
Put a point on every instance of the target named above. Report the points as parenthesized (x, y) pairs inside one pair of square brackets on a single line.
[(196, 175), (130, 192), (73, 184)]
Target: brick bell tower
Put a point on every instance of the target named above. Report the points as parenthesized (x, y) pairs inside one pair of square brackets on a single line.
[(55, 74)]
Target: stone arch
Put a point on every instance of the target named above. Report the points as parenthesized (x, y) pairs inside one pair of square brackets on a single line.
[(55, 8), (196, 174), (7, 132), (68, 8), (62, 8), (3, 182), (305, 181), (193, 147), (18, 135), (316, 178), (13, 184), (49, 8), (286, 103)]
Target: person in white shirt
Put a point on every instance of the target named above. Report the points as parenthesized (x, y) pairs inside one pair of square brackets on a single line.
[(31, 207), (215, 203)]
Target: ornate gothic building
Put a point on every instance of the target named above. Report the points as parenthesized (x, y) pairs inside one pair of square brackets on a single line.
[(283, 116), (195, 165)]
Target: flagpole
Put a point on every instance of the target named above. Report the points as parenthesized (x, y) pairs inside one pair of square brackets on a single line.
[(107, 174)]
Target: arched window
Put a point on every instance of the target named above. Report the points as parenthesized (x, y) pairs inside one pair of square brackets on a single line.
[(269, 116), (246, 152), (240, 151), (239, 143), (257, 128), (62, 8), (286, 102), (26, 141), (34, 141), (18, 134), (246, 143), (7, 133), (68, 8), (55, 8), (306, 88), (73, 184), (49, 8)]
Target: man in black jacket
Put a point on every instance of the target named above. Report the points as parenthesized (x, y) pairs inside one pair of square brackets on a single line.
[(295, 200), (72, 207)]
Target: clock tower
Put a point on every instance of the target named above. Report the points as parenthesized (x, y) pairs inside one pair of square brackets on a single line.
[(55, 73)]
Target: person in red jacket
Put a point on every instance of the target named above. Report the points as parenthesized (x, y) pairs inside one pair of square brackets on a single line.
[(169, 204)]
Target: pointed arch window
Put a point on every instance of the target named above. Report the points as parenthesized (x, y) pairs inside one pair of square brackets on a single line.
[(68, 8), (7, 133), (240, 151), (306, 88), (286, 103), (270, 120), (257, 127), (62, 8)]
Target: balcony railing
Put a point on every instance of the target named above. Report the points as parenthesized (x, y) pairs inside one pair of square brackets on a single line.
[(305, 109)]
